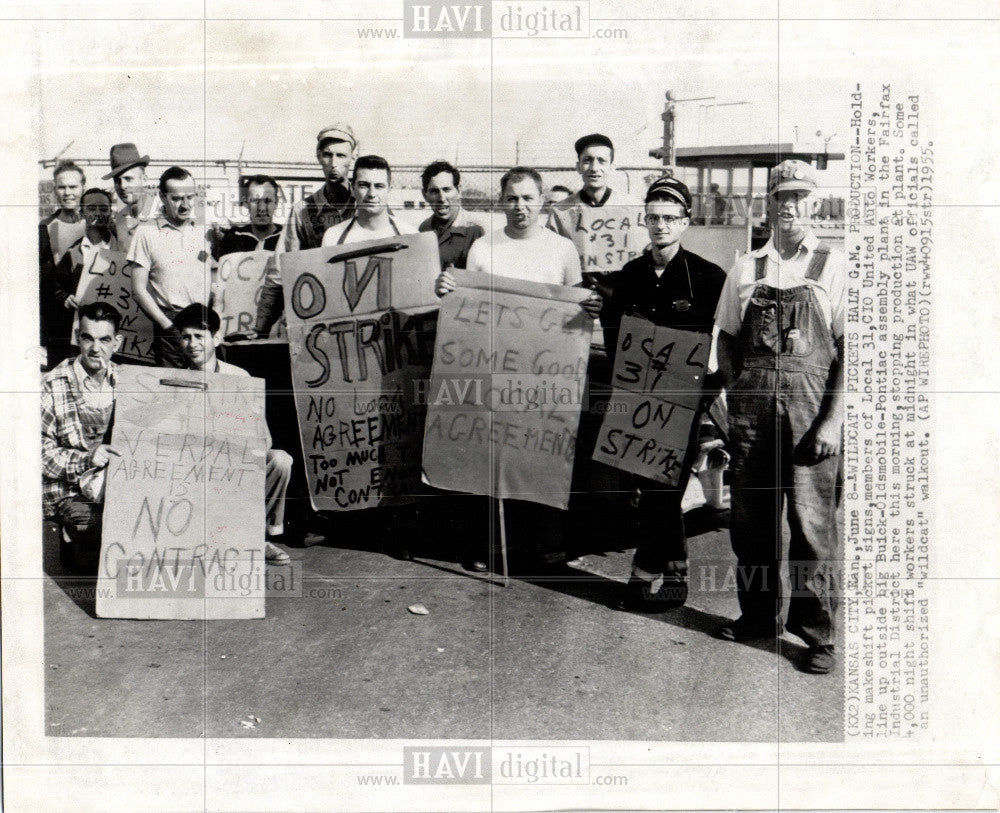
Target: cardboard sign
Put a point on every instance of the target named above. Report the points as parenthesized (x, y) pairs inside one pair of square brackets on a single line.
[(183, 533), (504, 398), (240, 281), (657, 380), (605, 237), (360, 333), (105, 281)]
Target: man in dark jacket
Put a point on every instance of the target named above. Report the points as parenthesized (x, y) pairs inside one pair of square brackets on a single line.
[(670, 287)]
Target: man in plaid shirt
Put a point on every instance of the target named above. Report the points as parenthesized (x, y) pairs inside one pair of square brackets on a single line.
[(77, 404)]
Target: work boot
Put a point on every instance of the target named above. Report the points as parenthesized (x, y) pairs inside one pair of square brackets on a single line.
[(744, 629), (820, 659)]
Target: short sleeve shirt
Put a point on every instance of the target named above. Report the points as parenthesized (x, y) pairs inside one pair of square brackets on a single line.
[(125, 224), (544, 257), (830, 289), (455, 242), (178, 261)]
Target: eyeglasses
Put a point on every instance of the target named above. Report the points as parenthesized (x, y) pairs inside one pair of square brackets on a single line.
[(666, 220)]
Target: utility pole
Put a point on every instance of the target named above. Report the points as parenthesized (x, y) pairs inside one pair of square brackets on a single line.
[(668, 152)]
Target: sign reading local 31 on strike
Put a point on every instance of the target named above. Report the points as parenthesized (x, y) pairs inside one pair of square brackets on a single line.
[(104, 280), (606, 237), (240, 281), (361, 337), (658, 377)]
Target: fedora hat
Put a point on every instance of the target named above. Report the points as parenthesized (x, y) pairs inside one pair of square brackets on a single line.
[(123, 158)]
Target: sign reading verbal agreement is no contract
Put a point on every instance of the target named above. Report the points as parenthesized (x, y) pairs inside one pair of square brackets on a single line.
[(183, 533), (657, 380), (360, 333), (504, 399), (104, 280)]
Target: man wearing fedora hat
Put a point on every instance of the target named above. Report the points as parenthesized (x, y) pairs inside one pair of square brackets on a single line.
[(781, 350), (332, 203), (670, 287), (128, 169)]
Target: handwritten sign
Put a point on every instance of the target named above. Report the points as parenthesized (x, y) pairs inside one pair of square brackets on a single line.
[(360, 333), (241, 279), (105, 281), (657, 380), (605, 237), (183, 533), (504, 397)]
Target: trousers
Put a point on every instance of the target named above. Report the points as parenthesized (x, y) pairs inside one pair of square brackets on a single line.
[(278, 471), (773, 467)]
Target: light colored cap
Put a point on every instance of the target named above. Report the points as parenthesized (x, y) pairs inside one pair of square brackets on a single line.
[(338, 132), (791, 176)]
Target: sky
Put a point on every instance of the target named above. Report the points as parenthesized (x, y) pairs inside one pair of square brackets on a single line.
[(191, 88)]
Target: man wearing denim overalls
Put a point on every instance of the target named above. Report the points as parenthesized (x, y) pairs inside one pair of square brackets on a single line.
[(781, 342)]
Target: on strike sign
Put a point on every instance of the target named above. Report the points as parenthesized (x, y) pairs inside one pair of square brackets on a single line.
[(657, 380), (360, 333), (605, 237), (105, 281), (504, 398), (241, 278)]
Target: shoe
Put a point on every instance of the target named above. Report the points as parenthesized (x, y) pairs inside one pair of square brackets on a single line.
[(274, 555), (820, 659), (743, 629), (310, 538), (476, 566), (638, 595), (718, 518)]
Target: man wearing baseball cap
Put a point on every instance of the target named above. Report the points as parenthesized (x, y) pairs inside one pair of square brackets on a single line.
[(781, 350), (332, 203), (128, 169), (597, 218), (670, 287)]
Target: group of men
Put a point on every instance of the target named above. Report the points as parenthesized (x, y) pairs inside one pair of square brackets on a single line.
[(778, 316)]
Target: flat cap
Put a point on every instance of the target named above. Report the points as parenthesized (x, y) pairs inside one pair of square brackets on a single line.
[(590, 140), (338, 132)]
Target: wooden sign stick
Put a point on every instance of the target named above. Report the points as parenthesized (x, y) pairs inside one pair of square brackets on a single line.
[(503, 545)]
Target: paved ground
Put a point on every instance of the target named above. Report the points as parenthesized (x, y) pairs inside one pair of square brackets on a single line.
[(544, 658)]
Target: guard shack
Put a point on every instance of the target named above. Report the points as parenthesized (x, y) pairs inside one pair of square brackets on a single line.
[(729, 185)]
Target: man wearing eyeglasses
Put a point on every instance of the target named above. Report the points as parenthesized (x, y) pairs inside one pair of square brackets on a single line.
[(670, 287)]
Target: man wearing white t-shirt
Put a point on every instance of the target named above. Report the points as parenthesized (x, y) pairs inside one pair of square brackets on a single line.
[(781, 347), (372, 220), (523, 249)]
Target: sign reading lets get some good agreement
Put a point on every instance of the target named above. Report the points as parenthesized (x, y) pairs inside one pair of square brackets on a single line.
[(506, 389)]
